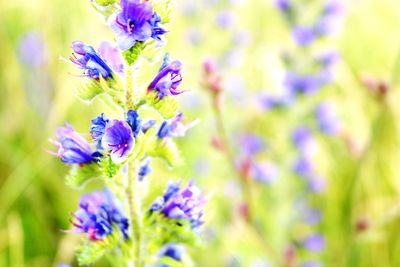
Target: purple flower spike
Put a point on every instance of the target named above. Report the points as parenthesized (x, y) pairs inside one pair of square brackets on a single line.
[(72, 147), (88, 60), (187, 204), (302, 84), (303, 167), (135, 22), (168, 79), (251, 144), (118, 138), (314, 242), (98, 213)]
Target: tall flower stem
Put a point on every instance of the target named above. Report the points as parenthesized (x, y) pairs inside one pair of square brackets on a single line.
[(133, 190), (245, 181)]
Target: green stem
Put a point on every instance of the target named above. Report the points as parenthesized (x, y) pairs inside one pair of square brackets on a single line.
[(133, 193), (129, 103)]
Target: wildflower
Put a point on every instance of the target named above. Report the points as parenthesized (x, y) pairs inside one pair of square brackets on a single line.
[(303, 167), (303, 140), (98, 128), (326, 119), (172, 251), (283, 5), (316, 184), (87, 59), (302, 83), (303, 35), (135, 22), (251, 144), (72, 147), (99, 212), (112, 56), (311, 264), (174, 127), (225, 19), (119, 139), (134, 122), (186, 204), (314, 242), (168, 78), (265, 172), (144, 169)]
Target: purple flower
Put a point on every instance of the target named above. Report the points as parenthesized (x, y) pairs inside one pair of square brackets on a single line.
[(118, 138), (316, 184), (312, 216), (88, 60), (251, 144), (32, 49), (98, 128), (112, 56), (303, 35), (303, 140), (144, 169), (134, 122), (168, 78), (174, 127), (265, 172), (302, 84), (186, 204), (135, 22), (303, 167), (326, 119), (283, 5), (314, 242), (173, 251), (225, 19), (98, 213), (72, 147), (311, 264)]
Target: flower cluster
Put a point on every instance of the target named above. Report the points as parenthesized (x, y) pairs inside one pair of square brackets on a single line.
[(122, 148), (186, 204), (98, 215)]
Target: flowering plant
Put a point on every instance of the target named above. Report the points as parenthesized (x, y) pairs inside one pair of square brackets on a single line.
[(117, 221)]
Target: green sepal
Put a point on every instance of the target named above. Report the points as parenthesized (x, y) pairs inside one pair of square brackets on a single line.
[(89, 89), (80, 174), (90, 251), (108, 168), (164, 9), (105, 7), (167, 106), (104, 2), (132, 54), (171, 230), (167, 150)]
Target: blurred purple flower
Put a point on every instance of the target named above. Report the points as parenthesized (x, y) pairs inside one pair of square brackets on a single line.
[(311, 264), (316, 184), (314, 242), (251, 144), (327, 119), (173, 251), (303, 140), (118, 138), (168, 78), (144, 169), (98, 213), (283, 5), (303, 167), (265, 172), (88, 60), (72, 147), (312, 216), (226, 19), (302, 84), (32, 49), (303, 35)]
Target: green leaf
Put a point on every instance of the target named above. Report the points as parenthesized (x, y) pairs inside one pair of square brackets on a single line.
[(132, 54), (167, 106), (90, 251), (90, 89), (80, 174), (108, 167)]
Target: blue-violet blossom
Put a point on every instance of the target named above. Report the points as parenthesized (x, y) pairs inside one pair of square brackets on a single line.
[(118, 138)]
